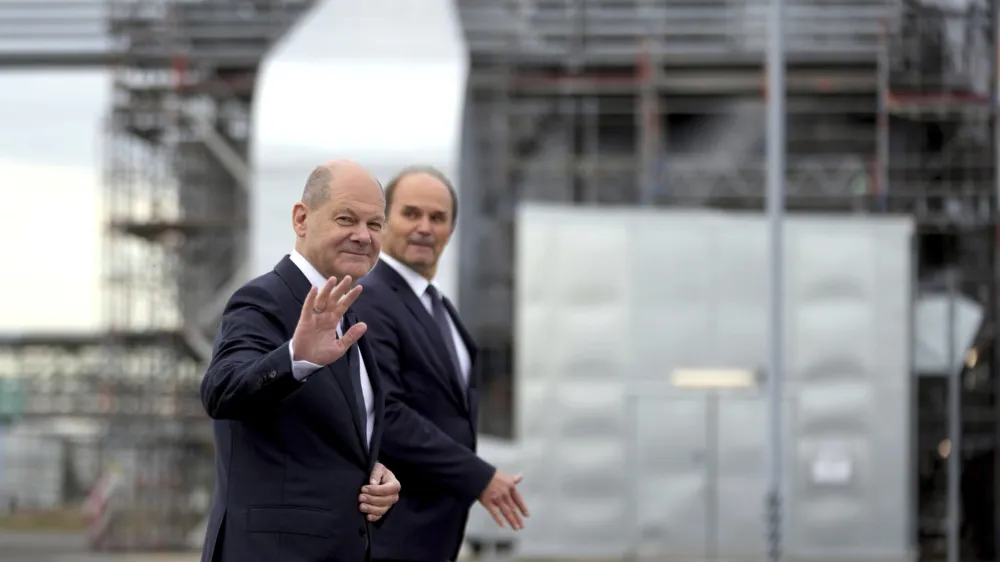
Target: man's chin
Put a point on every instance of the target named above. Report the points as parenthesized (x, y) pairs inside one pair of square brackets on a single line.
[(356, 268), (419, 258)]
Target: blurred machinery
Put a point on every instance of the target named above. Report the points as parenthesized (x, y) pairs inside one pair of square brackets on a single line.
[(892, 109), (611, 102)]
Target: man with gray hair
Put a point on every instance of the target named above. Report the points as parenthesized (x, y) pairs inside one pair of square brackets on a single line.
[(294, 392)]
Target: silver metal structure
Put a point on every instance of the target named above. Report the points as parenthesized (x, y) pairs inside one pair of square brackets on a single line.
[(776, 150)]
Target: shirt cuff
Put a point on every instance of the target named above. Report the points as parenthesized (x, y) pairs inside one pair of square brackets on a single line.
[(300, 369)]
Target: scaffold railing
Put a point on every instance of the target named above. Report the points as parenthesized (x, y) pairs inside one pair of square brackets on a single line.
[(150, 32), (612, 30)]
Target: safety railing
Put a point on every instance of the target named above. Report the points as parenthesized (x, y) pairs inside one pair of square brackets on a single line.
[(96, 32), (34, 32), (616, 28)]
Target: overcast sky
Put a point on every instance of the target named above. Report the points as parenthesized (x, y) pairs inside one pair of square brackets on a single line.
[(50, 217)]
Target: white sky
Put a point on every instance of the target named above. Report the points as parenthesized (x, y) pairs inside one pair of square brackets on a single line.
[(50, 217)]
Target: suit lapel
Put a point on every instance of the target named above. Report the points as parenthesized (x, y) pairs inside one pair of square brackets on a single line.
[(299, 285), (446, 369)]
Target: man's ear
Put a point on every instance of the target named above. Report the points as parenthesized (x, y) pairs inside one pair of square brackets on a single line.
[(299, 214)]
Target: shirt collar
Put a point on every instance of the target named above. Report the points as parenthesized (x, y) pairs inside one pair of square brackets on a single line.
[(307, 269), (416, 282)]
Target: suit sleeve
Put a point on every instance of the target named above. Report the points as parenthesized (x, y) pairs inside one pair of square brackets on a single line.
[(251, 367), (409, 438)]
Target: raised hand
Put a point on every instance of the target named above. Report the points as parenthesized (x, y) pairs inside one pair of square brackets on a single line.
[(315, 339)]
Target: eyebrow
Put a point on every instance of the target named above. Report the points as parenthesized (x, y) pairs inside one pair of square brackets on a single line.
[(353, 215)]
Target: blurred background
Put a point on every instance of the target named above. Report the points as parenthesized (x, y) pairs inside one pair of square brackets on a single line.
[(611, 257)]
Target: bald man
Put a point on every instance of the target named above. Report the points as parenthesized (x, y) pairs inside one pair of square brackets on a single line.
[(294, 391)]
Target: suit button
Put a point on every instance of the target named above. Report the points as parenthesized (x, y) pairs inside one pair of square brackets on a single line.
[(362, 531)]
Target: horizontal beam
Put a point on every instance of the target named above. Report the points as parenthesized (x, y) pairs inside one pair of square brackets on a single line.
[(680, 82)]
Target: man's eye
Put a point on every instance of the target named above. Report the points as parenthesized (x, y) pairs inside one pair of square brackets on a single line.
[(346, 221), (375, 226)]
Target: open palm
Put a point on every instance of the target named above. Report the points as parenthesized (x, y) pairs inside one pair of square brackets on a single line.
[(315, 338)]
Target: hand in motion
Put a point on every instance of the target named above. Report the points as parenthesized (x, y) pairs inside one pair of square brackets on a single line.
[(501, 498), (315, 339), (381, 493)]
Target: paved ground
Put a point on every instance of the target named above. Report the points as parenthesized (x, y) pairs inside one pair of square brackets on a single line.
[(44, 547)]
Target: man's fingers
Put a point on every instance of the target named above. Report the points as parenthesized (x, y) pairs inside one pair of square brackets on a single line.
[(519, 502), (373, 509), (354, 334), (337, 293), (517, 479), (390, 488), (343, 302), (510, 514), (378, 501), (310, 302), (323, 299), (495, 513)]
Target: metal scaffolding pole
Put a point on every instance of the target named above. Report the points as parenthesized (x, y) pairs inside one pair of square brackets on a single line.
[(775, 213)]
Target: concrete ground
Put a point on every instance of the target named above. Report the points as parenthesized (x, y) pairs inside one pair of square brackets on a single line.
[(48, 547), (52, 547)]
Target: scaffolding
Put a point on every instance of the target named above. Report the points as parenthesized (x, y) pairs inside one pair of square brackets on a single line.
[(626, 102), (177, 192), (937, 160), (176, 181), (891, 109)]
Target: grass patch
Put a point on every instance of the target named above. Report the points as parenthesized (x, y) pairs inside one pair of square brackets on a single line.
[(48, 521)]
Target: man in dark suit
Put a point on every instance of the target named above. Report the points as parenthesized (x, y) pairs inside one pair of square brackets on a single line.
[(426, 360), (294, 390)]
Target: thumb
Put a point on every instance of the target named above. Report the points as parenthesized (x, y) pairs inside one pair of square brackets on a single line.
[(517, 479), (376, 475)]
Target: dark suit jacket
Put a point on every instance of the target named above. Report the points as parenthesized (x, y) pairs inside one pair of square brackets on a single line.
[(430, 423), (290, 457)]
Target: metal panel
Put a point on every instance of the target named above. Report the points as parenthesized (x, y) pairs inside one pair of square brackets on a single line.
[(340, 85), (670, 474), (687, 290), (740, 477), (581, 506)]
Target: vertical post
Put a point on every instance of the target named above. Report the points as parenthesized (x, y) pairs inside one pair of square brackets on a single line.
[(995, 368), (775, 214), (882, 122), (649, 123), (954, 372)]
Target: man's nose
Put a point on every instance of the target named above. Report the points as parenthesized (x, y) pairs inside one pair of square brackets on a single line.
[(424, 226), (361, 235)]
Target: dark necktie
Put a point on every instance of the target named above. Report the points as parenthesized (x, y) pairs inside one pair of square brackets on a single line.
[(440, 315), (354, 367)]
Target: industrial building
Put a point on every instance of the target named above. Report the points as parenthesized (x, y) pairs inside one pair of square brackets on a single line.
[(891, 110)]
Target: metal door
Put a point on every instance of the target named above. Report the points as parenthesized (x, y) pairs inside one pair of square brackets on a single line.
[(669, 481)]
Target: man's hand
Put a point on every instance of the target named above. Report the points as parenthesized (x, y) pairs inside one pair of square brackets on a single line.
[(315, 339), (501, 498), (381, 493)]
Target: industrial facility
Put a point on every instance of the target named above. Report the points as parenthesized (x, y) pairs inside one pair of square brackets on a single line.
[(221, 107)]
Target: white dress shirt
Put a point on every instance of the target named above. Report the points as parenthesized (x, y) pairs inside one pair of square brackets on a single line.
[(302, 369), (419, 286)]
